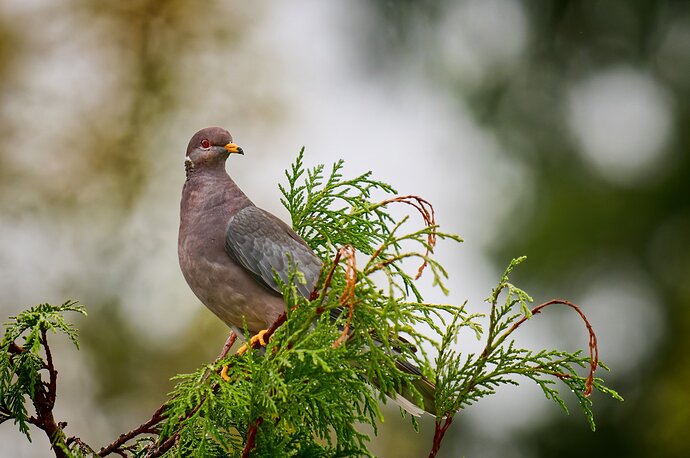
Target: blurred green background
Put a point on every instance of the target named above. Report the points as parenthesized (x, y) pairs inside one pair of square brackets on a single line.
[(552, 129)]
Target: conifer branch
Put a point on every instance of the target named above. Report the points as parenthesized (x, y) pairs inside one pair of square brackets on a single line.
[(148, 427), (251, 437), (313, 384), (593, 347), (441, 426)]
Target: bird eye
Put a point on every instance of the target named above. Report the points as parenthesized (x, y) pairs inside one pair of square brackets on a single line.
[(205, 143)]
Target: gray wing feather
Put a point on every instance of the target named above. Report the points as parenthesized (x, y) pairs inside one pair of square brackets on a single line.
[(262, 244)]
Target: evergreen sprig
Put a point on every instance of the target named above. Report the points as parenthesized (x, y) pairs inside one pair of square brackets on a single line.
[(464, 380), (329, 211), (332, 357), (28, 374)]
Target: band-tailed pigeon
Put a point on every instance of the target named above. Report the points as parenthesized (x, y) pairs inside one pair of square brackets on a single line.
[(229, 249)]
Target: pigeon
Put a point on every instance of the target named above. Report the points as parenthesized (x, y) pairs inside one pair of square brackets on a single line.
[(230, 250)]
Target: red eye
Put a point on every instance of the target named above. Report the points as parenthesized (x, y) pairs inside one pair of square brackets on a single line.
[(205, 143)]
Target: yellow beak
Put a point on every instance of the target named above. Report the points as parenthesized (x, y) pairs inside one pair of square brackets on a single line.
[(232, 148)]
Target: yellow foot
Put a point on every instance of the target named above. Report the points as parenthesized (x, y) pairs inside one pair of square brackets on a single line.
[(259, 337), (224, 373)]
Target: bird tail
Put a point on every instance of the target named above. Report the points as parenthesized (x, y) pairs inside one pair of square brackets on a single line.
[(407, 400)]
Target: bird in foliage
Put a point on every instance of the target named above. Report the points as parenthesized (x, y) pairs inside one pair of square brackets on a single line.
[(230, 251)]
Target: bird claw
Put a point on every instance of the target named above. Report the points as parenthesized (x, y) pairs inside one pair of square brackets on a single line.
[(224, 373), (259, 337)]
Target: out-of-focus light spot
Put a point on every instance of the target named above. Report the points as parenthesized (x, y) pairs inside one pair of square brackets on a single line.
[(621, 120), (623, 309), (478, 36)]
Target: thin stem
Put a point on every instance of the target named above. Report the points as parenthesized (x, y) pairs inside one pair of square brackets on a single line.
[(144, 428), (348, 296), (228, 344), (44, 401), (439, 433), (52, 372), (593, 346), (164, 447), (251, 437)]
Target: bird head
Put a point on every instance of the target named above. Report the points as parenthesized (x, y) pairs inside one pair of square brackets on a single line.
[(210, 146)]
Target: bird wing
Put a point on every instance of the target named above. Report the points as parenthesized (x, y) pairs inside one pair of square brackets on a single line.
[(265, 246)]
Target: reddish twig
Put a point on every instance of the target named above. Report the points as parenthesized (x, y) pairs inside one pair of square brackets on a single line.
[(425, 208), (348, 296), (52, 372), (170, 441), (85, 448), (329, 277), (15, 349), (251, 437), (593, 347), (44, 401), (282, 318), (228, 343), (145, 428), (439, 433), (164, 447)]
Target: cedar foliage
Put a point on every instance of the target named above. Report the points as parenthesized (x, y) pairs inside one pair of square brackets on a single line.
[(308, 389)]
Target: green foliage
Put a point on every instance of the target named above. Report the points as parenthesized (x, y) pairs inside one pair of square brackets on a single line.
[(332, 212), (304, 397), (20, 365), (309, 390), (463, 380), (340, 352)]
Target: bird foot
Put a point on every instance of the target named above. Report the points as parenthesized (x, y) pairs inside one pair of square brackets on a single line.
[(224, 373), (259, 337)]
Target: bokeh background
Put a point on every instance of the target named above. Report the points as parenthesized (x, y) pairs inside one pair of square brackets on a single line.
[(552, 129)]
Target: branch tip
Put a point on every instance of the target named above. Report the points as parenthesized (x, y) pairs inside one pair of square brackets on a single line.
[(593, 345), (425, 209)]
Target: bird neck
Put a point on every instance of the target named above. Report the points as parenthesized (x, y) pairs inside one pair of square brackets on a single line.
[(210, 168), (210, 186)]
